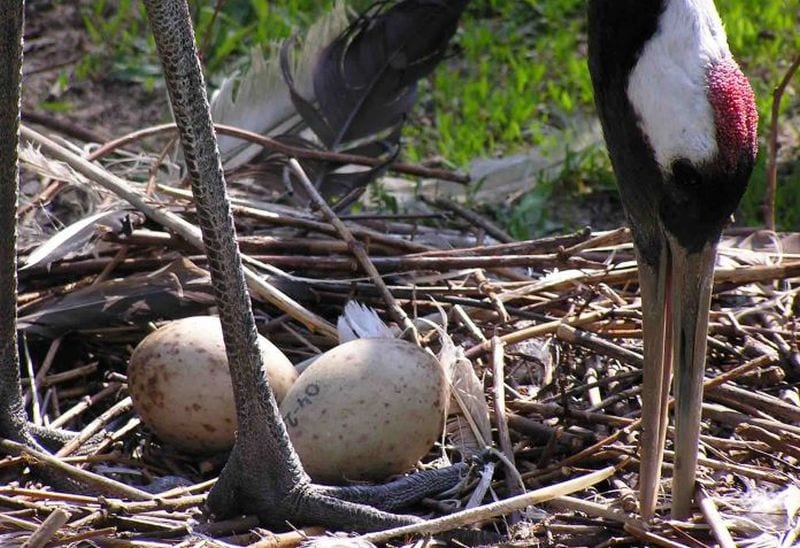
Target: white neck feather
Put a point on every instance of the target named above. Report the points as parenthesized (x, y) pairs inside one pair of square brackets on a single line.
[(667, 87)]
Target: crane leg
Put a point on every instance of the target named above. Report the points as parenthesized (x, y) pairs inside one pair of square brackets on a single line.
[(263, 475), (13, 421)]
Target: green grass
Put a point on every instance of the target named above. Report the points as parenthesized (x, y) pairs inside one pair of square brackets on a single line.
[(132, 58), (519, 71), (225, 36)]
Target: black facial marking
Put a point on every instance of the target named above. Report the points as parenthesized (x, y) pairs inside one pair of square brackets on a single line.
[(697, 202), (685, 174)]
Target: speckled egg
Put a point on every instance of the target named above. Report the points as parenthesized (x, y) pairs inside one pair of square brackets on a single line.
[(365, 410), (181, 388)]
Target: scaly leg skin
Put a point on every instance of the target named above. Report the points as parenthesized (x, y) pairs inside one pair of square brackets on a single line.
[(263, 475), (404, 491), (13, 420)]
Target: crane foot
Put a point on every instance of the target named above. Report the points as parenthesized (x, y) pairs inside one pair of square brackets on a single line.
[(254, 490)]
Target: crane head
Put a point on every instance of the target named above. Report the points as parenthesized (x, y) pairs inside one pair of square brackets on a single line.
[(702, 187)]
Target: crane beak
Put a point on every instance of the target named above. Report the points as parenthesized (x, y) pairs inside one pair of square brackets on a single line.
[(676, 296)]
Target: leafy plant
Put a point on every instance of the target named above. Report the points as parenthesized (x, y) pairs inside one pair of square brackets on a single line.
[(121, 25)]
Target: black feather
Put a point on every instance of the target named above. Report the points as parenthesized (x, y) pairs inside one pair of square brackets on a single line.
[(365, 81)]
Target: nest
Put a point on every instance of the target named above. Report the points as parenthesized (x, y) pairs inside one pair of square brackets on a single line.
[(551, 330)]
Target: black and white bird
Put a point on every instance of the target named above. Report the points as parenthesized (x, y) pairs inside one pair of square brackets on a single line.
[(679, 120)]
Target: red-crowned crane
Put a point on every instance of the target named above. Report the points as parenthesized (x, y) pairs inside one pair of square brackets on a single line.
[(679, 120)]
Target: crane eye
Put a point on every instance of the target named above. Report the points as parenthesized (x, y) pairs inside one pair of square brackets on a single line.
[(685, 174)]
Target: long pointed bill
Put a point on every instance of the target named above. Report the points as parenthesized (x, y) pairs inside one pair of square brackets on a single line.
[(693, 275), (676, 295)]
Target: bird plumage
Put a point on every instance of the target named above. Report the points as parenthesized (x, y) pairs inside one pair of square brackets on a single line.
[(668, 84)]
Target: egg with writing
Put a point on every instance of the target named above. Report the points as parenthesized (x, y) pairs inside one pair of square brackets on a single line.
[(181, 388), (366, 410)]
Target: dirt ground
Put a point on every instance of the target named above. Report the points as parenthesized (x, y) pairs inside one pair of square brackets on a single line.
[(97, 109)]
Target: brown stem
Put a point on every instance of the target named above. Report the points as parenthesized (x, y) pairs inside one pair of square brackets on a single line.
[(503, 435), (356, 248), (772, 145), (396, 264), (473, 218), (210, 28), (295, 152)]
